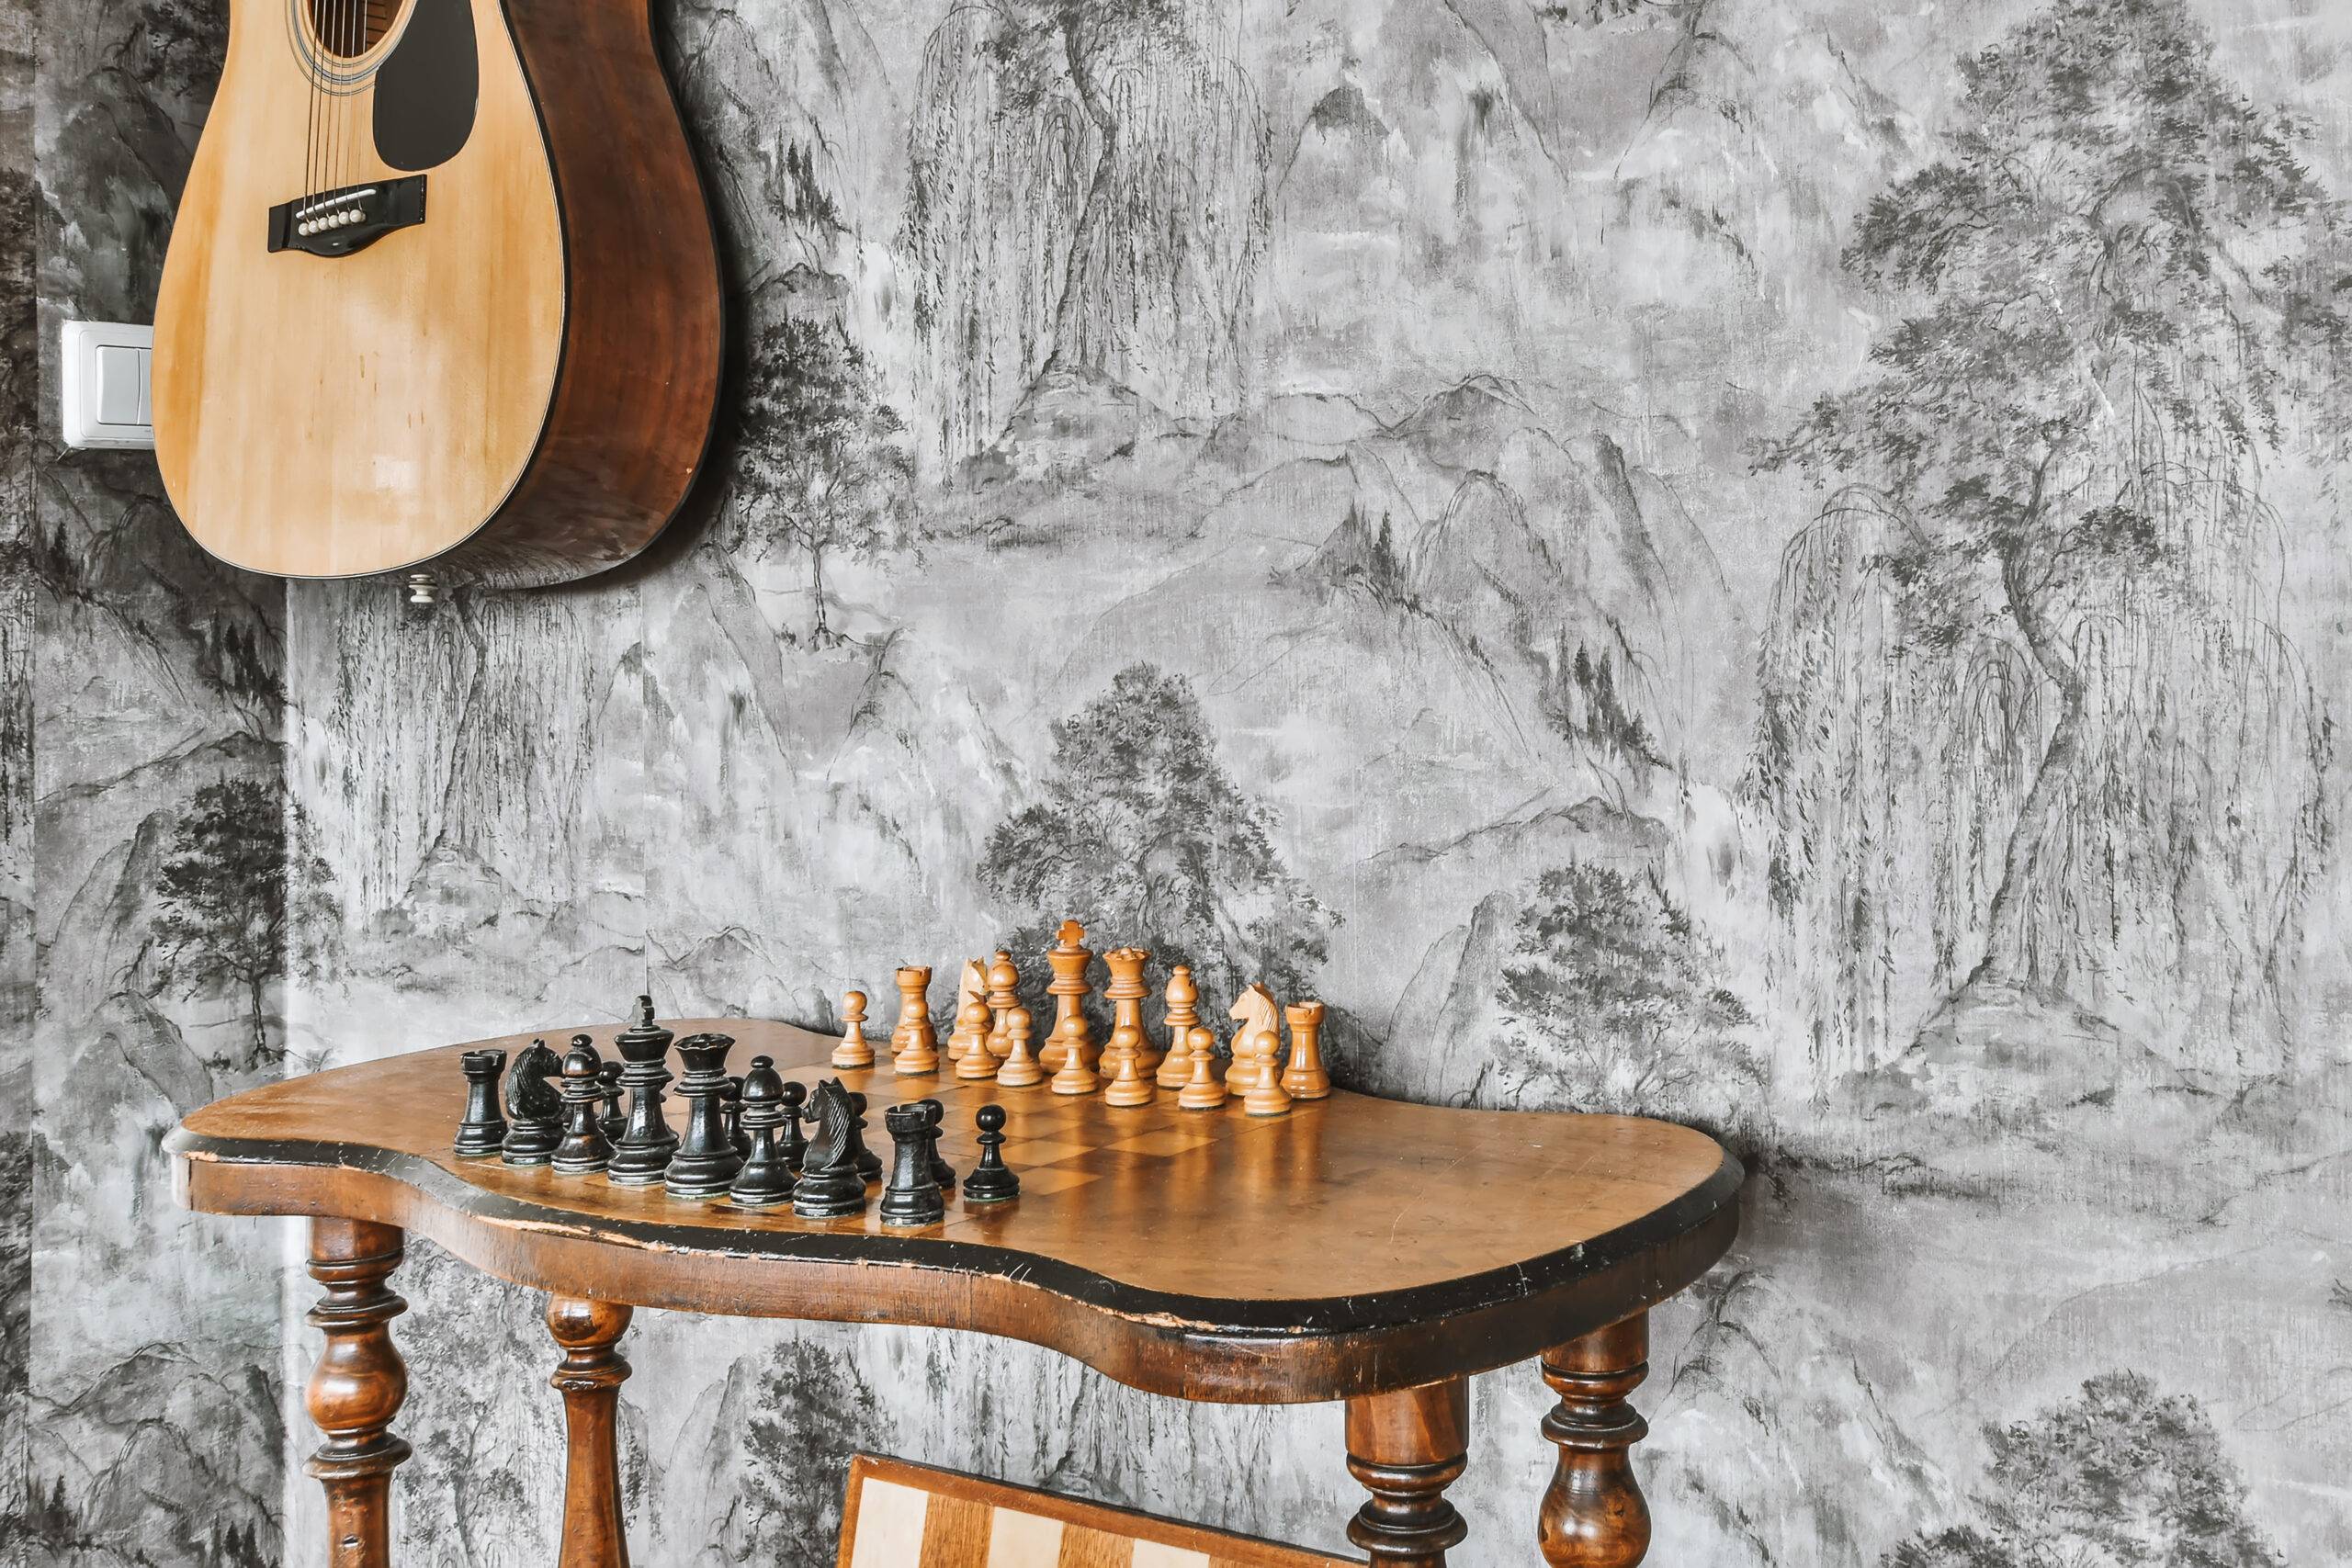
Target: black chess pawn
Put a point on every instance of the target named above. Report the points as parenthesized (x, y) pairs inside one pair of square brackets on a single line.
[(705, 1161), (766, 1178), (829, 1183), (483, 1128), (914, 1197), (614, 1120), (941, 1171), (791, 1142), (868, 1163), (645, 1143), (992, 1180), (585, 1147), (733, 1102), (534, 1110)]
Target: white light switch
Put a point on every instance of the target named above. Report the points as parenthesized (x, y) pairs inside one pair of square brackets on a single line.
[(106, 402), (117, 383)]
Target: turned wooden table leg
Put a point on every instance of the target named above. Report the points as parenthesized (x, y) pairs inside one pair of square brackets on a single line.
[(1594, 1516), (1407, 1448), (358, 1387), (590, 1378)]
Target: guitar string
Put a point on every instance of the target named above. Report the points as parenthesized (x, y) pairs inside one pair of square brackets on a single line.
[(341, 104), (335, 103), (305, 23), (322, 20), (341, 46)]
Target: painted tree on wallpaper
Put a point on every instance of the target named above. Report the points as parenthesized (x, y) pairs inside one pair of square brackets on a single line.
[(225, 896), (1613, 998), (1143, 835), (814, 1411), (2119, 1476), (2033, 735), (1087, 197), (821, 466)]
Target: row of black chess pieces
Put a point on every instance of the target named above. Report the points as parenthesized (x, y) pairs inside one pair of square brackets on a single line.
[(755, 1140)]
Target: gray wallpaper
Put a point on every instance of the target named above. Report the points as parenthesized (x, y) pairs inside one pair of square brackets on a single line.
[(142, 764), (1773, 562)]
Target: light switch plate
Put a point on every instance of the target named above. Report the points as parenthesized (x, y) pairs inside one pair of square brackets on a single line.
[(104, 394)]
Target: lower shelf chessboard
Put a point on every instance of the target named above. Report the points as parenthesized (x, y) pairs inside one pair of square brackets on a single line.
[(910, 1515)]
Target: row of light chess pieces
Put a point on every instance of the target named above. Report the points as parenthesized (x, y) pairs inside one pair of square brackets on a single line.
[(994, 1038)]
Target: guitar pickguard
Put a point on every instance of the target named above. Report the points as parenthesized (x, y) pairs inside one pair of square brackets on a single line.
[(426, 87)]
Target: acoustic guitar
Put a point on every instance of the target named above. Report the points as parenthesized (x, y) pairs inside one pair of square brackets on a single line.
[(441, 295)]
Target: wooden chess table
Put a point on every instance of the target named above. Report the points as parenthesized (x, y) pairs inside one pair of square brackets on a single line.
[(1354, 1248)]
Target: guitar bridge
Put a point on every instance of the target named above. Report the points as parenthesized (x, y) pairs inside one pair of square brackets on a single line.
[(350, 218)]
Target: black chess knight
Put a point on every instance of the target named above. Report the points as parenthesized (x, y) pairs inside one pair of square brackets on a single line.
[(831, 1184), (483, 1128), (534, 1111)]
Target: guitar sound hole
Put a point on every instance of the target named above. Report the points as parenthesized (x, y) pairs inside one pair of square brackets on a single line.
[(348, 29)]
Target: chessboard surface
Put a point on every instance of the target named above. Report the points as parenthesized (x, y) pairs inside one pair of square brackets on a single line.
[(1348, 1218), (898, 1515)]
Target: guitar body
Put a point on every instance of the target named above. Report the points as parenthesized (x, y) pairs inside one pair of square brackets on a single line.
[(441, 294)]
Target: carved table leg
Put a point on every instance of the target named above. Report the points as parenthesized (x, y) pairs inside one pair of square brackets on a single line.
[(590, 1378), (1407, 1448), (358, 1387), (1593, 1514)]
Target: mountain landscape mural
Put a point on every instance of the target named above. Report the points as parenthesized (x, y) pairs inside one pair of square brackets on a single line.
[(1776, 563)]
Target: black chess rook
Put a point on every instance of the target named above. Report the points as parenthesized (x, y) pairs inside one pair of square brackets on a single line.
[(483, 1129), (913, 1196)]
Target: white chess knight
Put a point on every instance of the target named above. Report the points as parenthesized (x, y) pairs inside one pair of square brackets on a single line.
[(1257, 1040)]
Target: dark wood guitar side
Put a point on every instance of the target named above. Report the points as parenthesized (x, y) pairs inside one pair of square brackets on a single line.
[(645, 328)]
